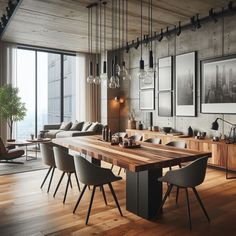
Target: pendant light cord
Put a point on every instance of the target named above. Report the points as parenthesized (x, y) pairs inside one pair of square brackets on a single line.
[(151, 24), (126, 21), (141, 29), (105, 25)]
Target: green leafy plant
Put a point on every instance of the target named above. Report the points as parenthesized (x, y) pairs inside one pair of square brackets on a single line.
[(11, 107)]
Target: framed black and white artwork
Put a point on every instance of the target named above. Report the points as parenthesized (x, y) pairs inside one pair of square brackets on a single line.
[(218, 85), (146, 99), (165, 76), (186, 84), (165, 104), (148, 83)]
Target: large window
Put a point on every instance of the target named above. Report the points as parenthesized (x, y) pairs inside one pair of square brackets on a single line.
[(46, 83)]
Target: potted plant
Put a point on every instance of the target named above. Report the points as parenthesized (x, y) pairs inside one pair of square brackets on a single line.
[(11, 107)]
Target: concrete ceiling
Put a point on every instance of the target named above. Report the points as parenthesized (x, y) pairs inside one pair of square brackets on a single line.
[(62, 24)]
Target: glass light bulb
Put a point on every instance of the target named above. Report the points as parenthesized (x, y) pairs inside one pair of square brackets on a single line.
[(124, 73), (148, 79), (117, 82), (112, 83), (97, 80), (90, 79), (103, 76), (117, 69), (141, 74)]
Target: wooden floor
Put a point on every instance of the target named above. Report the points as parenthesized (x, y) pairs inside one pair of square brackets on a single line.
[(25, 209)]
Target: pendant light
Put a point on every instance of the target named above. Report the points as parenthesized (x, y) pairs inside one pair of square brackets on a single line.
[(90, 77), (97, 79), (103, 75), (142, 73), (150, 71), (124, 71)]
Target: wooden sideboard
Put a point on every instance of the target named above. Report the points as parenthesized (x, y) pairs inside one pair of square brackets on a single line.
[(222, 153)]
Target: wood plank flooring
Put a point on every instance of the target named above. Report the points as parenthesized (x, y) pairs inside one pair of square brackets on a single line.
[(25, 209)]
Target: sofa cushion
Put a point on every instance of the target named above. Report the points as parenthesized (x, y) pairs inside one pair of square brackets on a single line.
[(93, 127), (86, 126), (65, 125), (70, 133), (77, 126), (52, 133)]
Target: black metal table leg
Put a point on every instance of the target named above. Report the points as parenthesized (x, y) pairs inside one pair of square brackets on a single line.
[(144, 192)]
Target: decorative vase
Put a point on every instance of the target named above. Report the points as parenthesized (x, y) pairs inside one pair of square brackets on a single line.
[(132, 124)]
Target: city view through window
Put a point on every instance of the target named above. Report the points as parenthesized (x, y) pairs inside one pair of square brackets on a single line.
[(39, 79)]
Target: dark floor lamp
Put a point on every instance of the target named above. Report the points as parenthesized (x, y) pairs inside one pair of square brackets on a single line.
[(215, 126), (232, 133)]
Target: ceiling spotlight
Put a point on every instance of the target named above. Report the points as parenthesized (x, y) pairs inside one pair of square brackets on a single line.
[(178, 30), (160, 36), (137, 44), (212, 15), (198, 25)]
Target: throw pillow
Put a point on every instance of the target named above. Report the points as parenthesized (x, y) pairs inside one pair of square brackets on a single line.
[(65, 125), (93, 127), (86, 126), (77, 126)]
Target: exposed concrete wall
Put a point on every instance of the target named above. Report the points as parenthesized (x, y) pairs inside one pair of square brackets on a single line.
[(212, 40)]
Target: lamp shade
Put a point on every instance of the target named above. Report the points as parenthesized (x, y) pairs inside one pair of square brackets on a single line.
[(215, 125)]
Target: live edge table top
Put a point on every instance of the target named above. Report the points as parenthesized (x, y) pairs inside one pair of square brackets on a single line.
[(148, 156)]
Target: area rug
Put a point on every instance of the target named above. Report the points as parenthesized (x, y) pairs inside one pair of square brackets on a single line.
[(31, 165)]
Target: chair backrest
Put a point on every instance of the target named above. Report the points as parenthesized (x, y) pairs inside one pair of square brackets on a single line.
[(191, 175), (153, 140), (178, 144), (121, 134), (47, 154), (3, 149), (63, 160), (90, 174), (136, 137)]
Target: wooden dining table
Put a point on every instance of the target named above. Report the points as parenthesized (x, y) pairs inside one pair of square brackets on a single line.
[(143, 167)]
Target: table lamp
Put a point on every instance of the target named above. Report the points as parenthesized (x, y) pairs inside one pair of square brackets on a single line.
[(215, 126)]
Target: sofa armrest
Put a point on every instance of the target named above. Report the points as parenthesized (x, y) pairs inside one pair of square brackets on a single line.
[(51, 126)]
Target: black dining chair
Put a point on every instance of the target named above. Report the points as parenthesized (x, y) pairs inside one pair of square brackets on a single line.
[(49, 160), (65, 163), (187, 177), (96, 176)]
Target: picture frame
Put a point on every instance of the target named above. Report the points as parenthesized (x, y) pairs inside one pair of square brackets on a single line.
[(151, 85), (165, 104), (165, 74), (186, 84), (218, 85), (147, 99)]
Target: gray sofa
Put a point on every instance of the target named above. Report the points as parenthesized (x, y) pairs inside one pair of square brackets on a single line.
[(71, 130)]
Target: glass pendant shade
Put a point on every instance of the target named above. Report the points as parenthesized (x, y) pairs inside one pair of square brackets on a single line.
[(117, 82), (97, 79), (112, 83), (142, 73), (124, 72), (90, 78)]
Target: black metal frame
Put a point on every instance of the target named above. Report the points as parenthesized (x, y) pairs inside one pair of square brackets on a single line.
[(194, 82), (48, 50), (209, 60)]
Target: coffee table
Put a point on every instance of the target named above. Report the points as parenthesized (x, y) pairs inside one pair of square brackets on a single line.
[(28, 142)]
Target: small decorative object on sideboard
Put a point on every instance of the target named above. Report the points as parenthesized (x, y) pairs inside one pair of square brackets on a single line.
[(140, 125), (106, 134), (200, 135), (190, 131), (132, 122), (167, 129)]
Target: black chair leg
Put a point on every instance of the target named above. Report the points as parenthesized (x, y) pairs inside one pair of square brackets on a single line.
[(104, 195), (119, 171), (164, 199), (67, 185), (59, 184), (189, 214), (70, 180), (77, 181), (80, 197), (115, 198), (112, 167), (177, 195), (201, 204), (49, 185), (90, 204), (49, 170)]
